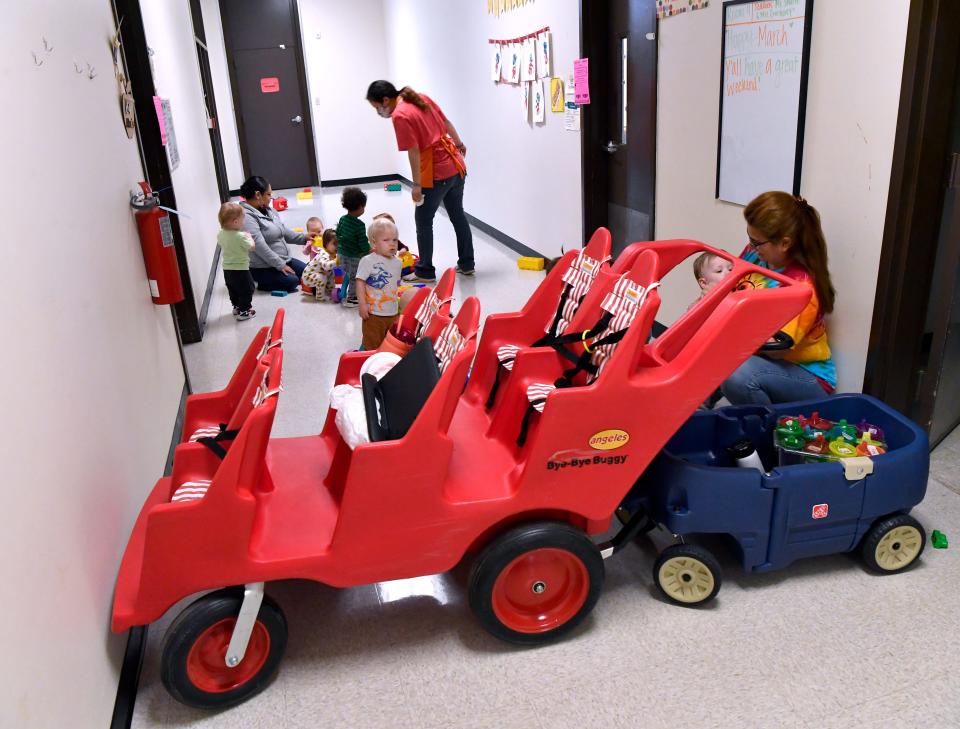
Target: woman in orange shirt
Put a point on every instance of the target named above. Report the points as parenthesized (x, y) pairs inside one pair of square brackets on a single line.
[(437, 170), (785, 235)]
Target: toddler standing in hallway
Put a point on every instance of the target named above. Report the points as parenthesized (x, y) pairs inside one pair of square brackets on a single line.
[(377, 277), (352, 239), (235, 245)]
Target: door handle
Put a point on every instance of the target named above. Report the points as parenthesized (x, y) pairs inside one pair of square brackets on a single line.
[(297, 119), (611, 147)]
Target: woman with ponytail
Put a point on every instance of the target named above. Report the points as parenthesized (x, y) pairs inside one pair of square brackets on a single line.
[(785, 235), (437, 170)]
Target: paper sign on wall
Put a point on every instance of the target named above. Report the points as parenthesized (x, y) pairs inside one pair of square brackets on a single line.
[(543, 55), (581, 80), (515, 50), (495, 59), (556, 95), (163, 127), (168, 137), (525, 93), (571, 117), (669, 8), (539, 103), (270, 85), (528, 69)]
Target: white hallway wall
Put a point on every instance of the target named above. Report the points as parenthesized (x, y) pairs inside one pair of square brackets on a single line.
[(227, 119), (524, 179), (852, 101), (169, 30), (93, 377), (349, 53)]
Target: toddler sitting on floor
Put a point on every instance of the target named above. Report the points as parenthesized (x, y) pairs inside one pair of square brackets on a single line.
[(314, 232), (318, 274)]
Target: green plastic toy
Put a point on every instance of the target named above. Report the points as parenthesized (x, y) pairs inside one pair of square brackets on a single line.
[(938, 539)]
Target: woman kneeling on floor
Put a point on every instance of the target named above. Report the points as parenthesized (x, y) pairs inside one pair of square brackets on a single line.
[(271, 263)]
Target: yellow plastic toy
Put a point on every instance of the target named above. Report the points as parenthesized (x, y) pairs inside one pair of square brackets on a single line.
[(407, 259), (530, 263)]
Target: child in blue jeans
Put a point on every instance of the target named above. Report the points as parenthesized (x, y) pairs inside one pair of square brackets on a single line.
[(352, 240)]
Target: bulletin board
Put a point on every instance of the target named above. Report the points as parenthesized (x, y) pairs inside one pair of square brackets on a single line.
[(763, 89)]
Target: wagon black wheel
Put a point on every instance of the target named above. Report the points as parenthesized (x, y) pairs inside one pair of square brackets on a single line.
[(535, 583), (193, 666), (687, 574), (893, 544)]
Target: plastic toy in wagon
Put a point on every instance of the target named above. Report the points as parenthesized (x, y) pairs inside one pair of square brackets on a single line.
[(524, 463)]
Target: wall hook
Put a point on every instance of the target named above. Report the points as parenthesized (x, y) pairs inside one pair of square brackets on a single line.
[(77, 67), (91, 72), (46, 46), (36, 61)]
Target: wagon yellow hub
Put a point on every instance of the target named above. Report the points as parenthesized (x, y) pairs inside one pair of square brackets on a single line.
[(686, 579), (898, 547)]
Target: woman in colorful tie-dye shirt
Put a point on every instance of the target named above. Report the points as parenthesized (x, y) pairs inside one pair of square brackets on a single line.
[(785, 236)]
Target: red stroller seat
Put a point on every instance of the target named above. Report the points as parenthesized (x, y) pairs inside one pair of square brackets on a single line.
[(190, 471), (620, 308), (208, 415), (577, 279)]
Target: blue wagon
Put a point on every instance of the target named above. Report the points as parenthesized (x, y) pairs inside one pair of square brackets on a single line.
[(782, 513)]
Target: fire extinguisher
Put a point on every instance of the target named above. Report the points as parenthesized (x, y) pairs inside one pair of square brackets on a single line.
[(156, 239)]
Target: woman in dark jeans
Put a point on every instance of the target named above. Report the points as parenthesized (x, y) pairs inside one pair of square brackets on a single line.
[(271, 265), (436, 168)]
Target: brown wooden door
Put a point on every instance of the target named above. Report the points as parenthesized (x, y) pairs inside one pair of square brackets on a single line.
[(266, 71), (620, 123)]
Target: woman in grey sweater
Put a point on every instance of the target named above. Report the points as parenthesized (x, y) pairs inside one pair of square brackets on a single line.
[(271, 265)]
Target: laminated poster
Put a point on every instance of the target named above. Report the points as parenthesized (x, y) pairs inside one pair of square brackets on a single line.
[(539, 103), (525, 93), (495, 58), (581, 80), (543, 55), (528, 69), (556, 95), (515, 50)]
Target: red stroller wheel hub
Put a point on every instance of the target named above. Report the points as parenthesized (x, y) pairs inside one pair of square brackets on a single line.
[(540, 590), (206, 666)]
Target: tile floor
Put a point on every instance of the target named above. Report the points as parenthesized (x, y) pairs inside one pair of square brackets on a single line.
[(820, 644)]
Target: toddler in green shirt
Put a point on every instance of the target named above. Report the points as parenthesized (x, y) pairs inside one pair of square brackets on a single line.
[(235, 246), (352, 240)]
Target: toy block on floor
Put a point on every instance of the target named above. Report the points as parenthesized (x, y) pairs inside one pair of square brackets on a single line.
[(530, 263)]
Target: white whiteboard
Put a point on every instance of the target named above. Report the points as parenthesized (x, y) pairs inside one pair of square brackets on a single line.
[(762, 96)]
